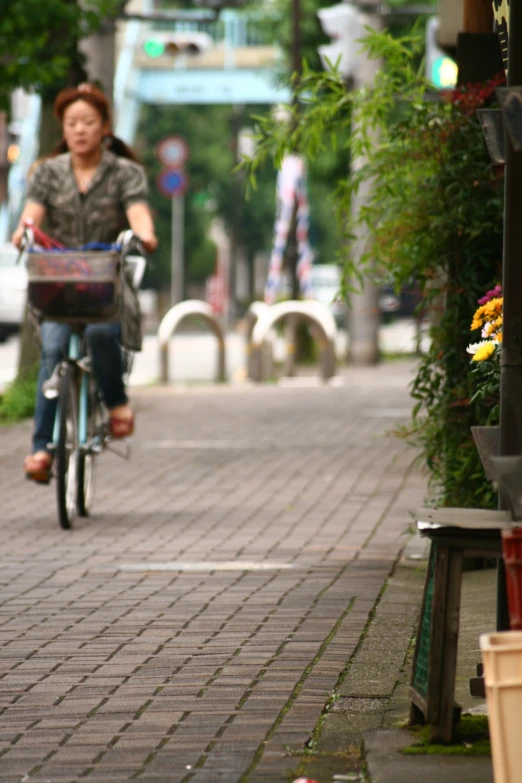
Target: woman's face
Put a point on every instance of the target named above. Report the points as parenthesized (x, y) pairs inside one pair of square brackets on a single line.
[(83, 128)]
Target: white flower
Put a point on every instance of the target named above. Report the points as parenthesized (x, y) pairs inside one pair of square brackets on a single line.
[(473, 348)]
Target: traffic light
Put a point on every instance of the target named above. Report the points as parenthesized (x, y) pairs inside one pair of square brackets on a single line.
[(441, 70), (343, 24), (175, 44)]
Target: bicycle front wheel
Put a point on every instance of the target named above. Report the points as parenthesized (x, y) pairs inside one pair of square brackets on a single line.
[(85, 465), (67, 448)]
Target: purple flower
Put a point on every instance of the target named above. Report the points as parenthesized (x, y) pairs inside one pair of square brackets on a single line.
[(493, 294)]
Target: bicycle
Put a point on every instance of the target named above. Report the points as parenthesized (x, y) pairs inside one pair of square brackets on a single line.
[(79, 287)]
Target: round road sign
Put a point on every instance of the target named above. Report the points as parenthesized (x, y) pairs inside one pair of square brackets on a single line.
[(172, 152), (172, 182)]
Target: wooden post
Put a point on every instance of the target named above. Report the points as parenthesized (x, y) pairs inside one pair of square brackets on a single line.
[(478, 16), (511, 363)]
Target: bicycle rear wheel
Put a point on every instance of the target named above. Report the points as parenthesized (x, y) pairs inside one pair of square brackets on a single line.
[(67, 448)]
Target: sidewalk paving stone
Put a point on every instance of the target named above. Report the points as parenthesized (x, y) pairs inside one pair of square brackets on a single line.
[(207, 675)]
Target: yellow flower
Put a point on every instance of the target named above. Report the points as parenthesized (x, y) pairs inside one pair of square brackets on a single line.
[(484, 352), (491, 311), (478, 318), (494, 307)]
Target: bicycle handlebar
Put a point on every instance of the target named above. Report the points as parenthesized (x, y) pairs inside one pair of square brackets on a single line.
[(127, 242)]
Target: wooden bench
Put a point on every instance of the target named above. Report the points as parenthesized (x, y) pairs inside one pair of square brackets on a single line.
[(455, 533)]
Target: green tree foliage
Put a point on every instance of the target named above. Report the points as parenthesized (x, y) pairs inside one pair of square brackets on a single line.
[(214, 188), (38, 40), (434, 216)]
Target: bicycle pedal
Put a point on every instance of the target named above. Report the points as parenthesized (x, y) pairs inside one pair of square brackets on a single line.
[(123, 454)]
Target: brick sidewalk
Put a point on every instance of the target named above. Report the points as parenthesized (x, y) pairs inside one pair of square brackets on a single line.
[(112, 671)]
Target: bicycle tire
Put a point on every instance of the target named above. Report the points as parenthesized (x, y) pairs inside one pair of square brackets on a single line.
[(86, 460), (67, 448)]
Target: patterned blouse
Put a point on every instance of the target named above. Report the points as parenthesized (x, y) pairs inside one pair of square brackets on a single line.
[(96, 216)]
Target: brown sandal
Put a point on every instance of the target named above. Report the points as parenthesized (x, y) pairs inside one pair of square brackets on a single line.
[(121, 426), (37, 467)]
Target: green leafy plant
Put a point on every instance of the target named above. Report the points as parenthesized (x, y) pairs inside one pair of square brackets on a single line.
[(17, 402), (432, 215)]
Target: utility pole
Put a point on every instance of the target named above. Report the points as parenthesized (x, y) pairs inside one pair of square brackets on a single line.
[(237, 112), (363, 312), (292, 330), (291, 252)]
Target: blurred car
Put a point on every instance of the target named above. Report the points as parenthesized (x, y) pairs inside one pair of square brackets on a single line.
[(326, 286), (13, 287), (401, 304)]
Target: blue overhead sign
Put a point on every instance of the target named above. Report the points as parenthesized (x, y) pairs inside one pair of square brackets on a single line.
[(209, 87)]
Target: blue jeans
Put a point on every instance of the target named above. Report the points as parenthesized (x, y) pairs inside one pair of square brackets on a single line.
[(104, 345)]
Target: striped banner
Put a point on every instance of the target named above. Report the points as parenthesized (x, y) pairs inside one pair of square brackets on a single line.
[(501, 13), (291, 193)]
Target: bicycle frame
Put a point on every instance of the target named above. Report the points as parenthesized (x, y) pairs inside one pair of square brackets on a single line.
[(79, 358)]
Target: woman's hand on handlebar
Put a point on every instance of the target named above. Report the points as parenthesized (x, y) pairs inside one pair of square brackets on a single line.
[(33, 215), (18, 236), (140, 221), (149, 241)]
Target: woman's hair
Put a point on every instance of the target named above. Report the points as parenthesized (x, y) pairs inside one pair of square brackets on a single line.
[(95, 97)]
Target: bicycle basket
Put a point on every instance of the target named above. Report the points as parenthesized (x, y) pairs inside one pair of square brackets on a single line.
[(75, 286)]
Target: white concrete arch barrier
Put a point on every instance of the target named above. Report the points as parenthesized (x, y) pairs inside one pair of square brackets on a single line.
[(314, 313), (191, 309), (266, 355)]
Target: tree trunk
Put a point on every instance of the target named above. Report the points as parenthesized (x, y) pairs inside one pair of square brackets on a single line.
[(29, 354), (99, 50), (50, 131)]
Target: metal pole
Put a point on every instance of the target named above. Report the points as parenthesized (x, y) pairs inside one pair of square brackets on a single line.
[(177, 281), (511, 362)]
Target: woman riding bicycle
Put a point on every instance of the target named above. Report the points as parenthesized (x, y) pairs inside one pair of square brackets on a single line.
[(88, 190)]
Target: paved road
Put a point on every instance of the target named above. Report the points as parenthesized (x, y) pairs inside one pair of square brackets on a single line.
[(194, 627)]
